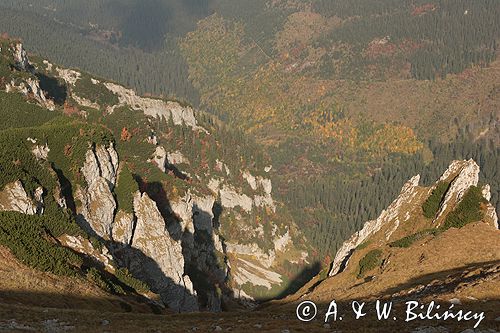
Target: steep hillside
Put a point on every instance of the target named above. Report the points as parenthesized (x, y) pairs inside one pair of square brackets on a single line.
[(140, 185), (438, 243)]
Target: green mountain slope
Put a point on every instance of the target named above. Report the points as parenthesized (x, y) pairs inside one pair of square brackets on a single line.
[(133, 193)]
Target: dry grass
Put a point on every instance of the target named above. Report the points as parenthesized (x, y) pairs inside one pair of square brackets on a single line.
[(20, 284)]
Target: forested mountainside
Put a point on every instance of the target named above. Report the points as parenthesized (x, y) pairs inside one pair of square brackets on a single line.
[(336, 93), (136, 193), (103, 37), (348, 99)]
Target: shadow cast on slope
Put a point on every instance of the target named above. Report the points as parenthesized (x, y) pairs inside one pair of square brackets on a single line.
[(87, 314), (201, 262), (304, 276), (54, 90), (451, 280), (57, 300)]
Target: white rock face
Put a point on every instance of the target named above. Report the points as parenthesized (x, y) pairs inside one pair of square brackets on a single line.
[(214, 184), (203, 214), (41, 152), (265, 259), (491, 215), (256, 182), (160, 158), (20, 57), (251, 180), (123, 227), (82, 245), (230, 198), (176, 157), (154, 107), (282, 242), (183, 209), (98, 203), (467, 175), (68, 75), (85, 102), (108, 163), (166, 271), (266, 185), (13, 197), (32, 87), (264, 201), (195, 214), (486, 192), (406, 195), (98, 206), (49, 65), (249, 272)]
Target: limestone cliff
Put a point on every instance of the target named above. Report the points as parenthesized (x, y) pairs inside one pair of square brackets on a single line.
[(98, 204), (30, 85), (391, 215), (165, 271), (13, 197), (461, 176)]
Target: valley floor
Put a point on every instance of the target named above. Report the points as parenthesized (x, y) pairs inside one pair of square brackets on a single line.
[(16, 318)]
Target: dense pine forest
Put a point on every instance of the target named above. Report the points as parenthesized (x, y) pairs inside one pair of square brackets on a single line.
[(337, 206)]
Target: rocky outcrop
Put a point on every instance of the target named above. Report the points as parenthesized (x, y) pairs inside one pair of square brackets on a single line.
[(31, 87), (165, 270), (21, 57), (463, 174), (486, 192), (85, 102), (248, 272), (123, 227), (230, 198), (68, 75), (250, 264), (97, 201), (84, 246), (164, 160), (107, 157), (41, 152), (13, 197), (490, 214), (256, 183), (159, 158), (154, 107), (460, 174), (176, 157), (251, 180), (391, 214), (201, 242)]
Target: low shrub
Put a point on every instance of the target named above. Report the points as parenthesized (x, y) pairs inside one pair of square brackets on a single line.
[(431, 205), (371, 260)]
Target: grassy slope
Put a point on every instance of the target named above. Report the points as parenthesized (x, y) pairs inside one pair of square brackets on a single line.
[(20, 283)]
